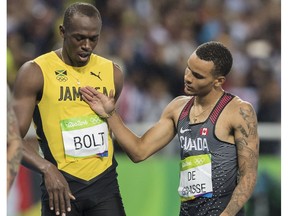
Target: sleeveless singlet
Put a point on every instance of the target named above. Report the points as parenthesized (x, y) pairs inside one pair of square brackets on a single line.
[(209, 167), (70, 134)]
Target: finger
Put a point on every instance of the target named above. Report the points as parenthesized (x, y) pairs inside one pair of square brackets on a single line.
[(56, 203), (92, 90), (63, 203), (71, 196), (67, 201), (84, 98), (87, 96), (51, 204), (111, 93), (85, 91), (89, 90)]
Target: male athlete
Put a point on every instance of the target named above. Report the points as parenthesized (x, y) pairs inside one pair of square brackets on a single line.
[(78, 168), (217, 133)]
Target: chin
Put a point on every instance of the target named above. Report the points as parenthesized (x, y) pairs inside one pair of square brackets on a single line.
[(189, 93), (81, 63)]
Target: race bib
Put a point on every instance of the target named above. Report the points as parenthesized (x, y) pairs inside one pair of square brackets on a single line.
[(85, 136), (195, 177)]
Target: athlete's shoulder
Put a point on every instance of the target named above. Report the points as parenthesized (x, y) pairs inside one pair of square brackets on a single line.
[(29, 67), (46, 56), (239, 108), (182, 99), (237, 102), (178, 103), (97, 59)]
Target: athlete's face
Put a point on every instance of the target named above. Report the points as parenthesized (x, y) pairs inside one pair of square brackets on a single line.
[(198, 79), (80, 39)]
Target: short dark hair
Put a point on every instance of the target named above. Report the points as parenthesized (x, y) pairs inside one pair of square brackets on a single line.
[(80, 8), (218, 54)]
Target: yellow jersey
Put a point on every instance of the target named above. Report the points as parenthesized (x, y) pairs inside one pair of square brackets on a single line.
[(70, 134)]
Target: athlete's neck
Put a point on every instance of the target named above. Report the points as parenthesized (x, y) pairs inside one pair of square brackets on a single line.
[(209, 99)]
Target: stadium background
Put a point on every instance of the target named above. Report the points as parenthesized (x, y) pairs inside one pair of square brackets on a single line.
[(151, 41)]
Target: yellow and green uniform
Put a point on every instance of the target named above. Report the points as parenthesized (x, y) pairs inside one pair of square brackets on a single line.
[(66, 127)]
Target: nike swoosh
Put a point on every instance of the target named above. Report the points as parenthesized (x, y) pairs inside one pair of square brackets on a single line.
[(184, 130)]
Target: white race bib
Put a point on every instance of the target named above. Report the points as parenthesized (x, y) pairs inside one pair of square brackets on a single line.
[(195, 177), (85, 136)]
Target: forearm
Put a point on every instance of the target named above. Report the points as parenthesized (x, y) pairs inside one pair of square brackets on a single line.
[(127, 140), (248, 166), (14, 146), (241, 195), (32, 158), (14, 155)]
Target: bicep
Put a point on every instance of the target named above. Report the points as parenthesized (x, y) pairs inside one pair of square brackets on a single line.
[(246, 138), (28, 84)]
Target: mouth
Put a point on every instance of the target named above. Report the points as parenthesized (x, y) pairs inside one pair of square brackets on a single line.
[(84, 56), (189, 88)]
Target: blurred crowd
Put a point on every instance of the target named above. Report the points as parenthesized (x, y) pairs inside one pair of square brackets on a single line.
[(152, 40)]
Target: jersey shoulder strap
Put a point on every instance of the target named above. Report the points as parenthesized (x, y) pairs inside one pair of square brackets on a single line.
[(185, 112), (224, 100)]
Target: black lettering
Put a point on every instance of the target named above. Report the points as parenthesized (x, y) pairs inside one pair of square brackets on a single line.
[(61, 94), (87, 141), (105, 91), (94, 141), (102, 137), (191, 175), (76, 93), (193, 189), (67, 94), (203, 188), (77, 143), (197, 188)]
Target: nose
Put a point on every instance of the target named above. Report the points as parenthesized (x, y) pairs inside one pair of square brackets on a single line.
[(86, 45), (188, 77)]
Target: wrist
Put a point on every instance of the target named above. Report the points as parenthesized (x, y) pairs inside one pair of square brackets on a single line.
[(45, 168), (108, 115)]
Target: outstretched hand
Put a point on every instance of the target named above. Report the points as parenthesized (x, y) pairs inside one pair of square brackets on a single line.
[(99, 103)]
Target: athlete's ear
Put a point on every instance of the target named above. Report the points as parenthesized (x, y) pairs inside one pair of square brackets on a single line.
[(62, 30), (219, 81)]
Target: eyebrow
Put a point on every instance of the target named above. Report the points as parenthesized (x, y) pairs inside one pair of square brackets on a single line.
[(195, 72)]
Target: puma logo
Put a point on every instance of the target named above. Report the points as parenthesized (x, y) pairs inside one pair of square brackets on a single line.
[(97, 75)]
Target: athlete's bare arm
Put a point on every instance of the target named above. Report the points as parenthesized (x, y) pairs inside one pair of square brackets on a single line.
[(244, 125), (137, 147), (14, 143), (140, 148), (118, 80), (28, 86)]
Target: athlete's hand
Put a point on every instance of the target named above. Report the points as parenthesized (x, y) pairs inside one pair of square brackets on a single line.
[(58, 190), (99, 103)]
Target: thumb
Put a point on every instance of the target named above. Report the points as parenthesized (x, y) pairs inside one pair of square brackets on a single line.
[(71, 196)]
